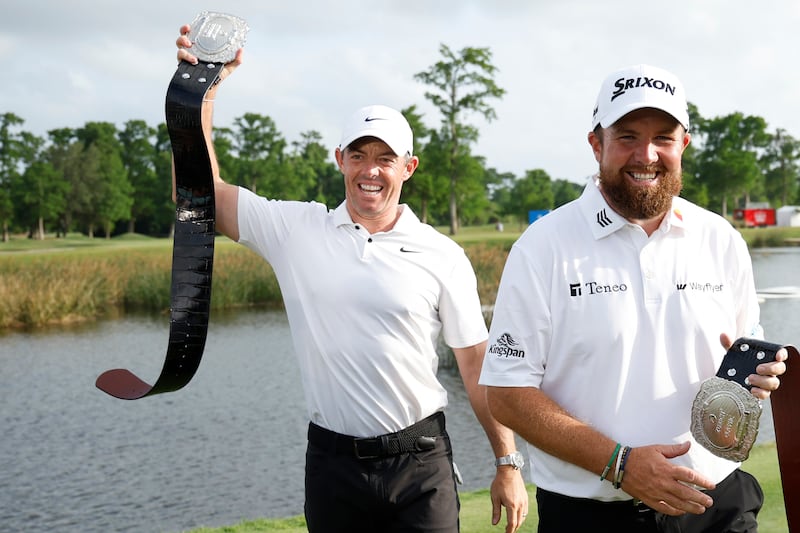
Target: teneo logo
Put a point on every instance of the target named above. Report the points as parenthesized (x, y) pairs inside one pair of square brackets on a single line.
[(593, 288), (700, 286), (624, 84), (574, 289), (505, 347)]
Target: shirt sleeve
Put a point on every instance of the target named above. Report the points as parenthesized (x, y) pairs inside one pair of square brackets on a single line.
[(520, 333), (463, 324)]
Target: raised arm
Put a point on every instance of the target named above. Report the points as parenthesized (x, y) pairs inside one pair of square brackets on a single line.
[(226, 195)]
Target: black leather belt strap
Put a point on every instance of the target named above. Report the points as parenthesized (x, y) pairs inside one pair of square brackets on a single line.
[(743, 358), (417, 437), (193, 248), (784, 403)]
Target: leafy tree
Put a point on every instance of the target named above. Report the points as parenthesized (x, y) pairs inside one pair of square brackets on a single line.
[(63, 153), (499, 186), (462, 82), (729, 162), (139, 160), (260, 148), (532, 192), (39, 193), (565, 191), (314, 171), (40, 197), (112, 199), (473, 202), (11, 159), (419, 191), (693, 189), (782, 170)]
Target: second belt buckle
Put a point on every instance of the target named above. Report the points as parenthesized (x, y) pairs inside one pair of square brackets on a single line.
[(367, 448)]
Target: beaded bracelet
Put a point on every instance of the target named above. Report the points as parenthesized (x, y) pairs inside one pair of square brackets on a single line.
[(620, 472), (610, 462)]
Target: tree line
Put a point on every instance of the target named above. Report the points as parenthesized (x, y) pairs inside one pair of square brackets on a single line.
[(102, 179)]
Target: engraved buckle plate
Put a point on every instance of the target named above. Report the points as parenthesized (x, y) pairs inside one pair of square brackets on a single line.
[(217, 36), (725, 418)]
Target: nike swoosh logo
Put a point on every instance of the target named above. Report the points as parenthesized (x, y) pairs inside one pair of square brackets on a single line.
[(370, 119), (406, 250)]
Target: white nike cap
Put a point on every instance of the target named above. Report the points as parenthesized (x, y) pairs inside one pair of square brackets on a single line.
[(382, 122), (639, 86)]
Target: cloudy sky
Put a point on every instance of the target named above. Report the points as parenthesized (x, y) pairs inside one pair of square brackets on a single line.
[(310, 63)]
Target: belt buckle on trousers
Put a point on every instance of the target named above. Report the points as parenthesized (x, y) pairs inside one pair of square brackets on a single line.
[(370, 448)]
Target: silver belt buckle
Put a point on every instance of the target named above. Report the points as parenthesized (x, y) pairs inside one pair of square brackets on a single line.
[(217, 36), (725, 418)]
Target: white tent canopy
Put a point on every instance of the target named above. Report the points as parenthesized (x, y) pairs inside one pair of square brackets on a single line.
[(788, 215)]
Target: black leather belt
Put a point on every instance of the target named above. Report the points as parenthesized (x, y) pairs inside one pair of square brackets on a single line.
[(417, 437), (193, 246)]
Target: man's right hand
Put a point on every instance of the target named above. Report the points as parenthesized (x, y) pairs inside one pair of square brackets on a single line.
[(663, 486), (183, 43)]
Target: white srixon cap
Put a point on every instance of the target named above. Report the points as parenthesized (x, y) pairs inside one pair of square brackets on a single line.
[(382, 122), (636, 87)]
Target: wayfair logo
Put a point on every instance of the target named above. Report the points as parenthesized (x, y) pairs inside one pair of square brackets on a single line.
[(700, 286)]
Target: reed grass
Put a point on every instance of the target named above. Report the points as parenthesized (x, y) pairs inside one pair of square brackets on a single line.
[(77, 279), (40, 289)]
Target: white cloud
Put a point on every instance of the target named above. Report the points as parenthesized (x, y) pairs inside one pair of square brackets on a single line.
[(309, 64)]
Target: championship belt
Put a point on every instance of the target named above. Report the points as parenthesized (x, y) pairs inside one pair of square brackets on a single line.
[(215, 39), (725, 414)]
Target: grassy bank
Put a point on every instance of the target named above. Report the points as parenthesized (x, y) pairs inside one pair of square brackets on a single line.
[(476, 508), (66, 284), (76, 278)]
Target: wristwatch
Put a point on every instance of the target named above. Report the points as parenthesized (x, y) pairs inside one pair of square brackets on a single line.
[(514, 459)]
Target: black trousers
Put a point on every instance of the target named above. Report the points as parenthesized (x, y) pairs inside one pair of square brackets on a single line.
[(408, 492), (737, 500)]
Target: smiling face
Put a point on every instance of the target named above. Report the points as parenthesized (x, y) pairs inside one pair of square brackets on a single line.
[(373, 179), (640, 163)]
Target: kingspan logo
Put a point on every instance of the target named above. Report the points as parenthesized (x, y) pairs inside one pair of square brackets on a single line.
[(505, 346), (592, 288)]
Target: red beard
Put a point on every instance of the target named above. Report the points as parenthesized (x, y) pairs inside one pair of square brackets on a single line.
[(640, 203)]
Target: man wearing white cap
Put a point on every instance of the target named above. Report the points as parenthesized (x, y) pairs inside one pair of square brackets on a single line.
[(610, 313), (368, 289)]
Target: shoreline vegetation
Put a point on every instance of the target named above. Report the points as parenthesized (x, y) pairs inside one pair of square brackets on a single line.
[(476, 506), (76, 279)]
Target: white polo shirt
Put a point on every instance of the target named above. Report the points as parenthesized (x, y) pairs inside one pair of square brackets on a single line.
[(618, 328), (365, 311)]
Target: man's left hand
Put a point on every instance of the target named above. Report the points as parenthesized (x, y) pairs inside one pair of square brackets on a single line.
[(508, 490)]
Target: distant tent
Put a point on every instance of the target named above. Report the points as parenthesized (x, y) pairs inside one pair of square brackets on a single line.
[(788, 215)]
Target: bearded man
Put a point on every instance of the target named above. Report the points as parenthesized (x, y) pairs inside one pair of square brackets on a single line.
[(611, 312)]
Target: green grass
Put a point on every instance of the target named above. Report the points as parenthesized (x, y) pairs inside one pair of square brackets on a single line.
[(476, 507)]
